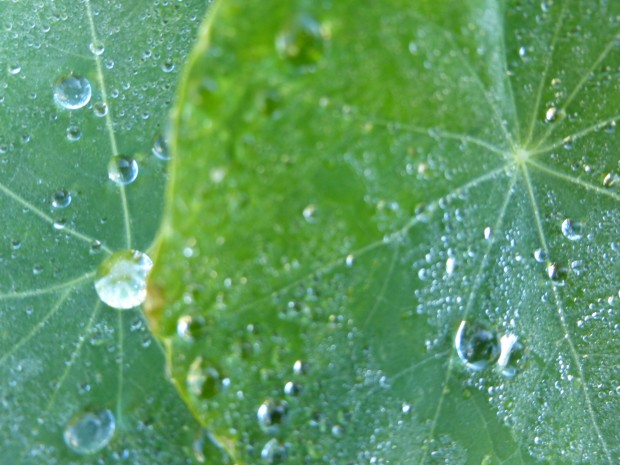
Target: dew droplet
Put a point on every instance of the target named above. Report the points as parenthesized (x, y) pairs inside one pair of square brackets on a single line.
[(540, 256), (476, 346), (611, 180), (122, 170), (292, 389), (100, 109), (572, 230), (60, 224), (309, 213), (89, 432), (300, 367), (487, 233), (349, 261), (273, 452), (96, 48), (73, 133), (511, 355), (61, 199), (14, 69), (203, 380), (556, 272), (190, 328), (302, 42), (271, 414), (160, 148), (167, 66), (553, 114), (121, 279), (72, 92)]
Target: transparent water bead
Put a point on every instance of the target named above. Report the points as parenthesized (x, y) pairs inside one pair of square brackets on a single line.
[(121, 279), (61, 199), (72, 92), (302, 42), (89, 432), (160, 148), (122, 170), (476, 346), (571, 229)]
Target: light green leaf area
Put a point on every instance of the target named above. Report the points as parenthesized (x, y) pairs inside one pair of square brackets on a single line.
[(391, 232), (80, 382)]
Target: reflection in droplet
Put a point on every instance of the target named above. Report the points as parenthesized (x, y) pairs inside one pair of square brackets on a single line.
[(100, 109), (61, 199), (122, 170), (292, 389), (556, 272), (571, 229), (302, 43), (476, 346), (72, 92), (510, 356), (271, 414), (121, 279), (90, 432)]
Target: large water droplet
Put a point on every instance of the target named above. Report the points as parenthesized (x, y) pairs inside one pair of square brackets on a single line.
[(121, 279), (61, 199), (571, 229), (271, 414), (122, 170), (72, 92), (302, 42), (476, 346), (90, 432)]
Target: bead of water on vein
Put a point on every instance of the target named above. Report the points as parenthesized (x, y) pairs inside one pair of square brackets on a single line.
[(72, 92), (89, 432), (122, 170), (121, 279)]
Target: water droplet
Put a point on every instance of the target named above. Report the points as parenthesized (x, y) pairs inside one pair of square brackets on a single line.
[(292, 389), (349, 261), (302, 42), (72, 92), (160, 148), (73, 133), (206, 447), (167, 66), (14, 69), (540, 256), (611, 180), (15, 244), (450, 265), (553, 114), (572, 230), (90, 432), (190, 328), (273, 452), (476, 346), (61, 199), (121, 279), (122, 170), (271, 414), (556, 272), (406, 408), (309, 213), (511, 355), (96, 48), (37, 269), (203, 380), (487, 233), (60, 224), (300, 367), (100, 109)]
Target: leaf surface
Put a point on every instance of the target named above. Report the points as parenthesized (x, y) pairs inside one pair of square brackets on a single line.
[(391, 232), (69, 363)]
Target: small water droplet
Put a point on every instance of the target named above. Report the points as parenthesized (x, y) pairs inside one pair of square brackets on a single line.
[(203, 380), (271, 414), (90, 432), (122, 170), (556, 272), (300, 367), (292, 389), (72, 92), (95, 246), (611, 180), (540, 256), (553, 114), (73, 133), (160, 148), (406, 408), (190, 328), (511, 355), (61, 199), (96, 48), (309, 213), (14, 69), (100, 109), (37, 269), (302, 42), (572, 230), (273, 452), (476, 346), (167, 66), (121, 279), (15, 244), (450, 265)]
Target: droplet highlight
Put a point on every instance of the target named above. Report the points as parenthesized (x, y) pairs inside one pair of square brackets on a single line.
[(121, 279)]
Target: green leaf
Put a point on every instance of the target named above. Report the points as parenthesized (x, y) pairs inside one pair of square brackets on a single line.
[(68, 362), (391, 232)]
